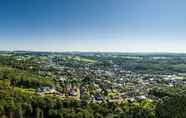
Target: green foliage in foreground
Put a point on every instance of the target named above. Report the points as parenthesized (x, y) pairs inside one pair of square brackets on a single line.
[(15, 103), (18, 104), (172, 103), (172, 107)]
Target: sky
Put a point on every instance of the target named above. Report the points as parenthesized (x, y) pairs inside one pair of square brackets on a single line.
[(93, 25)]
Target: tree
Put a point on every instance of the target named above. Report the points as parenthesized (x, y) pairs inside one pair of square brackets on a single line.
[(172, 107)]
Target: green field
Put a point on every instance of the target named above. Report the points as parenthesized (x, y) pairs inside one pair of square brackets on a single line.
[(81, 58)]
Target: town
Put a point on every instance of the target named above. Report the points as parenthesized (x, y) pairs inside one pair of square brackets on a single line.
[(98, 77)]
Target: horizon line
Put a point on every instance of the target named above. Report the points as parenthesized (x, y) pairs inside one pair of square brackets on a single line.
[(87, 51)]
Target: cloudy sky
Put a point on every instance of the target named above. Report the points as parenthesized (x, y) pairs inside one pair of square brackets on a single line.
[(93, 25)]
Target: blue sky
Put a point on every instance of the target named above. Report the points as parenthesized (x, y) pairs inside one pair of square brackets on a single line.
[(93, 25)]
